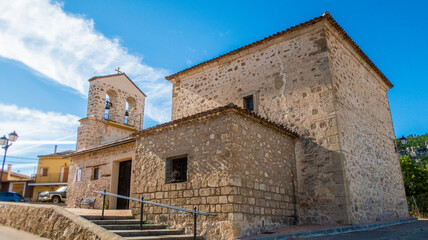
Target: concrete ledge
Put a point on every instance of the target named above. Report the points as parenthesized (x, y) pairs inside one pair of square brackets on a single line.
[(331, 231), (51, 222)]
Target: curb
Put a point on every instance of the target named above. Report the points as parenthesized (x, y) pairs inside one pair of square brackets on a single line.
[(332, 231)]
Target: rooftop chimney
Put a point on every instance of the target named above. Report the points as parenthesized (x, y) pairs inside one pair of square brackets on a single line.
[(56, 146), (9, 168)]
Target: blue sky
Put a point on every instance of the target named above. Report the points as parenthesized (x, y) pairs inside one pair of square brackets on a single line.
[(49, 49)]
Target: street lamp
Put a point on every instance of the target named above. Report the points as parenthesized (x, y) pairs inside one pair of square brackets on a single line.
[(4, 142), (403, 140)]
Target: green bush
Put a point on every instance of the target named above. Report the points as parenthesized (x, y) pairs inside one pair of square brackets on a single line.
[(415, 184)]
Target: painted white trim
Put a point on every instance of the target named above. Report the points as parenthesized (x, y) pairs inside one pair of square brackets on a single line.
[(23, 191), (61, 175)]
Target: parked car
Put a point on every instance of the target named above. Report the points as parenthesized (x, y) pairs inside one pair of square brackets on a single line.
[(56, 196), (11, 197)]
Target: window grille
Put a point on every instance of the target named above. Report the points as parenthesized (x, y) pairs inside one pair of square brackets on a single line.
[(176, 170)]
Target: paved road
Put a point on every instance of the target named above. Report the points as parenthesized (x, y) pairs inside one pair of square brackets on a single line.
[(8, 233), (409, 231)]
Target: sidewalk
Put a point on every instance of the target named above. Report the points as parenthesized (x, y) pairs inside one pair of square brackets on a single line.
[(9, 233), (304, 231)]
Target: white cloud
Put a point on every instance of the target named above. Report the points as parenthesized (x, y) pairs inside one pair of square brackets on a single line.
[(68, 50), (37, 130)]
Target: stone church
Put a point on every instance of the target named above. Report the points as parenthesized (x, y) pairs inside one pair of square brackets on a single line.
[(294, 128)]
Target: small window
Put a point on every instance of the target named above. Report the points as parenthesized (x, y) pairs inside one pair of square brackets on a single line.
[(176, 170), (96, 173), (43, 172), (249, 102)]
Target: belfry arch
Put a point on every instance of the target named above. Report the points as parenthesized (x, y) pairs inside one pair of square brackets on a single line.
[(130, 112), (111, 105), (115, 109)]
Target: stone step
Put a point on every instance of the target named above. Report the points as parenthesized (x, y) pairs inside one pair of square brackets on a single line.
[(92, 217), (152, 232), (117, 222), (133, 226), (165, 237)]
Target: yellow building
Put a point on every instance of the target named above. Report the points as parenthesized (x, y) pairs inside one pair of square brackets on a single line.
[(52, 173)]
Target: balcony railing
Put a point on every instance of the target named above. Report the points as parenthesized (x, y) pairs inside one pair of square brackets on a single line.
[(52, 178)]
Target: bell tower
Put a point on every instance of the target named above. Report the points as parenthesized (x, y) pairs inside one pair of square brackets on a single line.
[(115, 110)]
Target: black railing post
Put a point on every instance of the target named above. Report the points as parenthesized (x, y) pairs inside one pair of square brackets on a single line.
[(141, 213), (194, 224), (104, 203)]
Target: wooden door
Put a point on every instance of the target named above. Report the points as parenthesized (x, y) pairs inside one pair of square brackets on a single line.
[(124, 184), (65, 175)]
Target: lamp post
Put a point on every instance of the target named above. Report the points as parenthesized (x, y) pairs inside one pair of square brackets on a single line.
[(4, 142), (403, 140)]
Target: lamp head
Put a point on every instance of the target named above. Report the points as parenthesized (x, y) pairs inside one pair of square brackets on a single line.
[(3, 141), (403, 140), (13, 136)]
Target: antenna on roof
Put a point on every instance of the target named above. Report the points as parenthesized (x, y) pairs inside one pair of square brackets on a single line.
[(118, 70)]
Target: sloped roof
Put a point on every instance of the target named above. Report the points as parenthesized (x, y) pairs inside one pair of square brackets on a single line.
[(326, 16), (230, 107), (58, 154), (102, 146), (18, 175), (118, 74)]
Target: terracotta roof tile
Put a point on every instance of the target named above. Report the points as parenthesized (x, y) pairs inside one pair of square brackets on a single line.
[(58, 154), (102, 146), (326, 16), (243, 112)]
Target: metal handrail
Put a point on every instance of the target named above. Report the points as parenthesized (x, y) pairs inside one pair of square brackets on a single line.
[(194, 212)]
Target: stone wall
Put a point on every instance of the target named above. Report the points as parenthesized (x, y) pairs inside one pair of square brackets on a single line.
[(371, 165), (120, 90), (94, 132), (291, 82), (266, 177), (224, 151), (107, 160), (51, 222)]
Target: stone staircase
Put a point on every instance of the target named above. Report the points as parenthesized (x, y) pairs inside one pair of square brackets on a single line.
[(129, 228)]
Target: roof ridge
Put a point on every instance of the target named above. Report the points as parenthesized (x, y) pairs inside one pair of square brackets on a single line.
[(117, 74), (229, 106)]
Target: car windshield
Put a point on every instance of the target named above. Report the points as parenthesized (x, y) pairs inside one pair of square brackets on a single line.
[(61, 189)]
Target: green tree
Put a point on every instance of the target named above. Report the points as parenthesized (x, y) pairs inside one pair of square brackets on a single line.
[(415, 179)]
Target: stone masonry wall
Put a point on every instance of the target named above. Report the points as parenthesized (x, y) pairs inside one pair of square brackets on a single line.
[(219, 178), (93, 132), (372, 168), (266, 177), (207, 145), (51, 222), (120, 90), (291, 82), (104, 159)]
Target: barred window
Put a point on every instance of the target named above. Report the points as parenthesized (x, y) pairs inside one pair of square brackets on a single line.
[(176, 170)]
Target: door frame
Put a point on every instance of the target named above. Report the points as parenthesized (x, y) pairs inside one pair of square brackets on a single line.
[(115, 180)]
